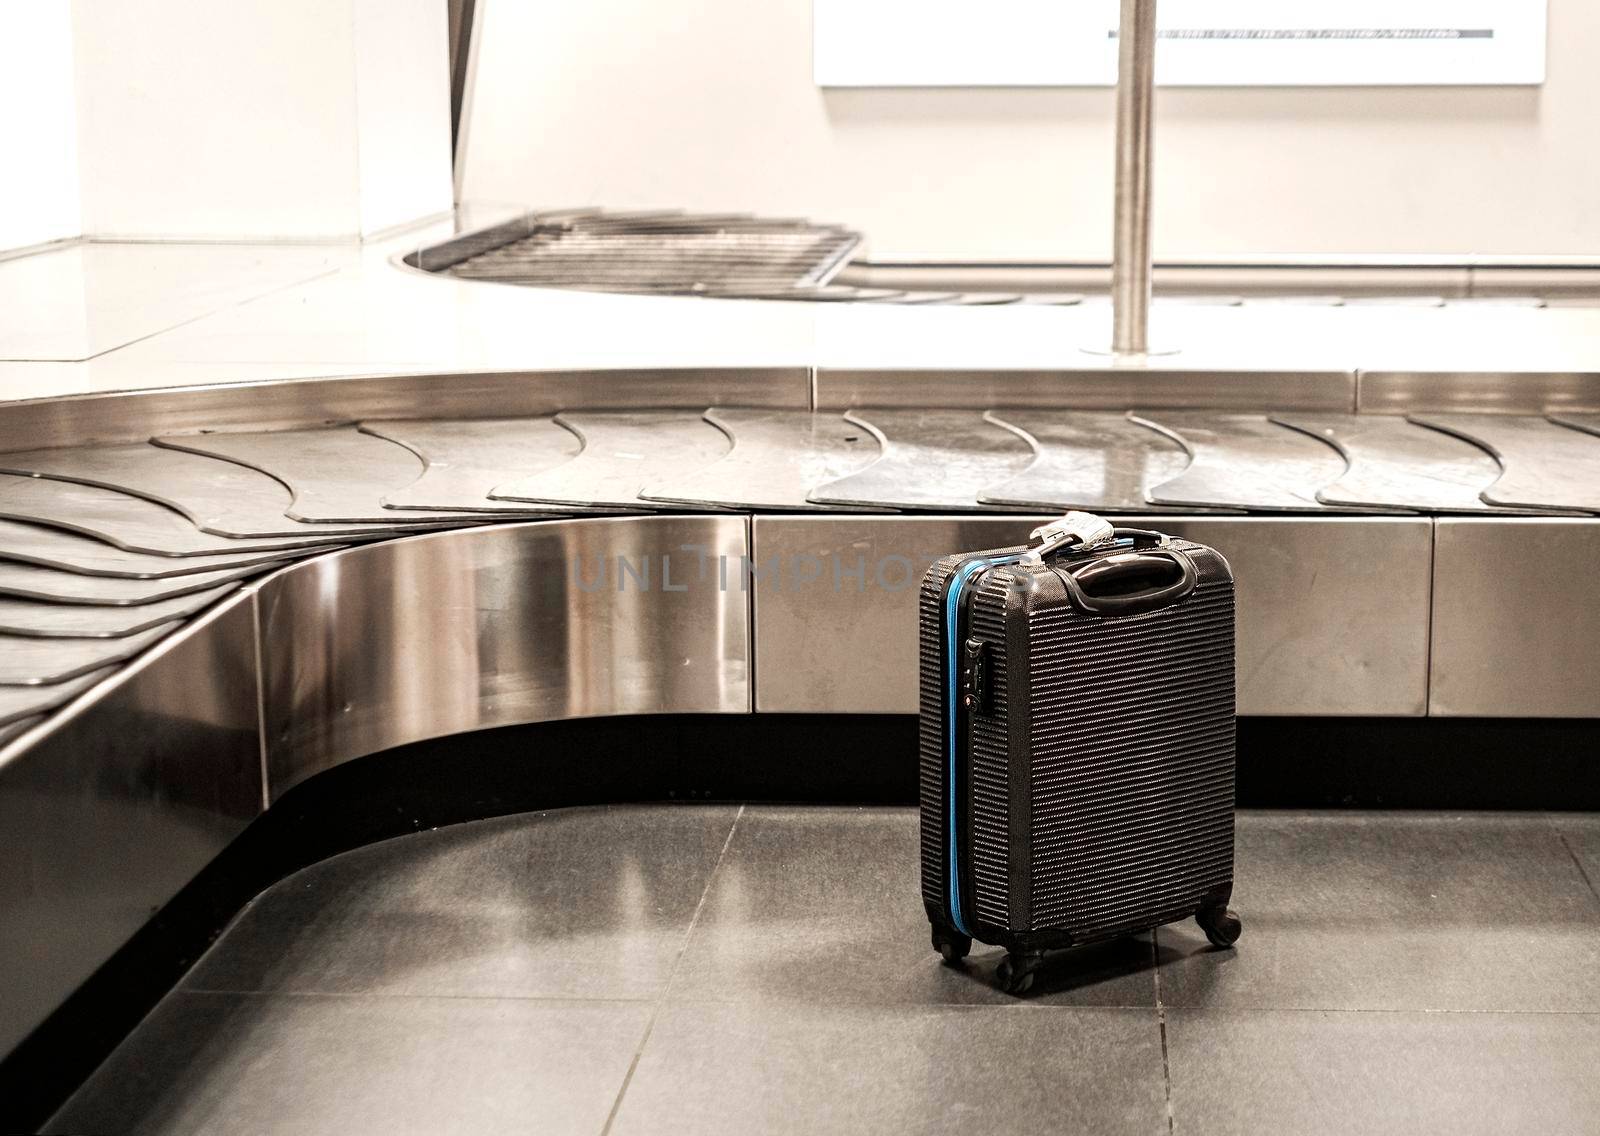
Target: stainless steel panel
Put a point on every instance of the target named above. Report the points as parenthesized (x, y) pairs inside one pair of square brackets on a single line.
[(777, 457), (1544, 465), (1516, 630), (30, 661), (219, 497), (623, 451), (929, 459), (137, 415), (391, 643), (19, 702), (1333, 611), (110, 808), (1395, 464), (1086, 460), (1109, 388), (464, 460), (337, 475), (1494, 392), (70, 552), (120, 519), (87, 621), (31, 582), (1244, 461)]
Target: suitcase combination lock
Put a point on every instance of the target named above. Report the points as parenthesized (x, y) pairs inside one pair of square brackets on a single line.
[(975, 676)]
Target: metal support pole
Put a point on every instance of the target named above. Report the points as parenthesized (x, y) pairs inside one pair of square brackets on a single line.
[(1130, 259)]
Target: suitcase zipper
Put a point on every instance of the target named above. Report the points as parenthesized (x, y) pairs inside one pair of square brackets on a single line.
[(963, 576)]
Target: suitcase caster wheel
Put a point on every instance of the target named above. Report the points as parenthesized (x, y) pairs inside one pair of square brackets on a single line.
[(1220, 924), (951, 945), (1016, 972)]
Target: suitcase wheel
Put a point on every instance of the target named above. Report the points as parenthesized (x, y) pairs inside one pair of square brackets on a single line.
[(951, 945), (1221, 925), (1017, 970)]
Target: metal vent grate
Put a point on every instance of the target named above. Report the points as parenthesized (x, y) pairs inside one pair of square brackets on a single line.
[(665, 253)]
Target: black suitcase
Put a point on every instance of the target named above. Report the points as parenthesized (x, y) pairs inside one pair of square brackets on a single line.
[(1077, 742)]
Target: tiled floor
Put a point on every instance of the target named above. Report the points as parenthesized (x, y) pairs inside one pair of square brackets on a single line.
[(764, 969)]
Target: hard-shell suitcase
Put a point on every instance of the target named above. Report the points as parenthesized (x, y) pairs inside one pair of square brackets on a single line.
[(1077, 742)]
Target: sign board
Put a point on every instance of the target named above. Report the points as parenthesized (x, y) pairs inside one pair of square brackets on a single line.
[(1209, 43)]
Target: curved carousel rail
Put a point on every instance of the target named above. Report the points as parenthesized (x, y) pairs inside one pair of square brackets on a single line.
[(185, 647)]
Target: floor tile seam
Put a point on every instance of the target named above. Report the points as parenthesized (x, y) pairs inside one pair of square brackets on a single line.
[(1411, 1011), (227, 305), (661, 1000), (1014, 1006), (1161, 1028), (1577, 862), (406, 995)]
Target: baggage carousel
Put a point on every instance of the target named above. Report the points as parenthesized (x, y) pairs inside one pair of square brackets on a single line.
[(210, 594)]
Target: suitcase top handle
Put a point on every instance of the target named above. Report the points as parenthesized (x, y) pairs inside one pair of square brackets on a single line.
[(1127, 583)]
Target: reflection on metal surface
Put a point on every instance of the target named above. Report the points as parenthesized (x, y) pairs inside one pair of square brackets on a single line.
[(1516, 630), (777, 457), (338, 475), (18, 702), (18, 726), (1244, 461), (1333, 611), (1545, 466), (116, 805), (32, 582), (1086, 460), (119, 519), (71, 552), (623, 452), (87, 621), (1395, 464), (135, 416), (1493, 392), (218, 497), (376, 646), (31, 661), (1109, 388), (466, 459), (930, 459)]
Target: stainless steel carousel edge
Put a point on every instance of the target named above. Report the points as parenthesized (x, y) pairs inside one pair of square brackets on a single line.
[(111, 805)]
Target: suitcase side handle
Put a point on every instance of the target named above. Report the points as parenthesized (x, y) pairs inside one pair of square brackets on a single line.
[(1102, 587)]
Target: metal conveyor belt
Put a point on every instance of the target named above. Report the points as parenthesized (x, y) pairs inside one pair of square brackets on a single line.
[(105, 554)]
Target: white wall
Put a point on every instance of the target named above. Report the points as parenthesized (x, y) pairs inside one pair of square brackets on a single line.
[(710, 104), (261, 119), (402, 63), (38, 125)]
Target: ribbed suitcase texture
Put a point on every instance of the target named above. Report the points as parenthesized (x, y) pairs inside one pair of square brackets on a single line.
[(1100, 772)]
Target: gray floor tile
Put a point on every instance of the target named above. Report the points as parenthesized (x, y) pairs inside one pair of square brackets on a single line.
[(823, 904), (1315, 1072), (775, 1068), (1397, 912), (223, 1063), (573, 903)]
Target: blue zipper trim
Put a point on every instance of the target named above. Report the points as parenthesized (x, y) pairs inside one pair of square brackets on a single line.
[(952, 606)]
